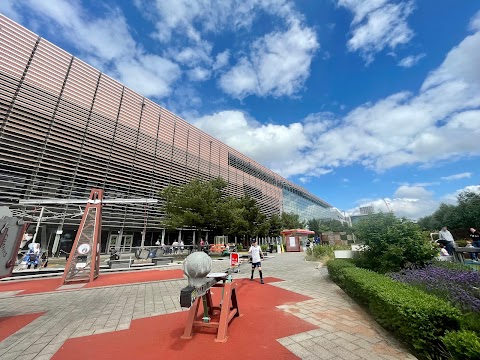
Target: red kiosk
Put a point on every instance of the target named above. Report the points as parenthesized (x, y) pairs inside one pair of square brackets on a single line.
[(293, 238)]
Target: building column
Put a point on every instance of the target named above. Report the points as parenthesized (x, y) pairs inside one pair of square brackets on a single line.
[(163, 237), (119, 241), (57, 239)]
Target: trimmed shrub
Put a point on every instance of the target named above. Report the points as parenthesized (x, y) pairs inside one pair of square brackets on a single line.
[(415, 317), (335, 268), (462, 345)]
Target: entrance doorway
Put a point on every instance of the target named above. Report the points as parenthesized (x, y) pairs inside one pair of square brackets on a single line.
[(124, 243)]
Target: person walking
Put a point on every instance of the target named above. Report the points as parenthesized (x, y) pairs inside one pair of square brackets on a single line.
[(257, 255), (475, 236), (446, 237)]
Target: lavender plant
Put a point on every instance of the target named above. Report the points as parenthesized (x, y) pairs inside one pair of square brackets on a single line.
[(460, 286)]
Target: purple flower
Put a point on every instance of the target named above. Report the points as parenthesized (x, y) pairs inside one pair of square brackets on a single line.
[(459, 286)]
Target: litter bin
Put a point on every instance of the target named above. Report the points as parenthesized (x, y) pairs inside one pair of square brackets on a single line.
[(270, 248)]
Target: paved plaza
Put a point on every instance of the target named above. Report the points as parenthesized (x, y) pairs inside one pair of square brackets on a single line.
[(342, 329)]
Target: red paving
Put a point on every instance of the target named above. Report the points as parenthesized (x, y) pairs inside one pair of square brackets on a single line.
[(251, 336), (10, 325), (47, 285), (135, 277)]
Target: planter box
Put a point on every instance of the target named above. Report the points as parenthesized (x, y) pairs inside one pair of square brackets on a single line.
[(344, 254), (120, 264)]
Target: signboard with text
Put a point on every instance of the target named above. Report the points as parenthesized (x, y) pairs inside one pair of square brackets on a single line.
[(234, 259), (11, 233)]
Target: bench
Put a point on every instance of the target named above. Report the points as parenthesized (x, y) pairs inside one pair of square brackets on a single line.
[(460, 251), (120, 264), (162, 260)]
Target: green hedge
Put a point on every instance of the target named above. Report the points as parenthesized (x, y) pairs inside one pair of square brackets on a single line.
[(417, 318), (462, 345), (335, 268)]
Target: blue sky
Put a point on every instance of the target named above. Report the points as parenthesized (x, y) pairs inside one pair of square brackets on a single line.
[(362, 102)]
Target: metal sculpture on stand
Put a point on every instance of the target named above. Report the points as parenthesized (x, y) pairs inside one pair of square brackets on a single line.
[(197, 268), (83, 264)]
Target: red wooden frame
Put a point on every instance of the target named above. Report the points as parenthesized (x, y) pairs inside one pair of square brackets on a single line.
[(228, 310)]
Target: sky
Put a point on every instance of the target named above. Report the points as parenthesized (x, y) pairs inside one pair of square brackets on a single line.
[(361, 102)]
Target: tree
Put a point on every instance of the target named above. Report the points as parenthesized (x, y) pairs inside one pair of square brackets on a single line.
[(197, 204), (314, 225), (204, 205), (324, 225), (392, 244), (253, 216), (464, 215), (468, 209), (291, 221), (275, 225)]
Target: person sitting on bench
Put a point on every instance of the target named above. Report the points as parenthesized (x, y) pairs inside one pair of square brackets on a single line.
[(32, 257)]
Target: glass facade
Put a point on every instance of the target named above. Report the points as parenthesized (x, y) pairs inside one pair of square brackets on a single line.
[(306, 207), (65, 127)]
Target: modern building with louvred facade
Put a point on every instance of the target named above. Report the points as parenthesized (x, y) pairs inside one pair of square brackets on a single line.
[(66, 127)]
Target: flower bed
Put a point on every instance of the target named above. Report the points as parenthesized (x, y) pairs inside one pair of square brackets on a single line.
[(459, 285)]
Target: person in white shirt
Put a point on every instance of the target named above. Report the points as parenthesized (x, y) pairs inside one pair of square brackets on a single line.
[(443, 251), (446, 237), (257, 255)]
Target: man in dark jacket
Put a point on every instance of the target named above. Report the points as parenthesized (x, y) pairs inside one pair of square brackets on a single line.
[(475, 236)]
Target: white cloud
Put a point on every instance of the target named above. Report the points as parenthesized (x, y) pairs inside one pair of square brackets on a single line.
[(421, 184), (193, 17), (198, 74), (278, 64), (258, 141), (221, 60), (475, 22), (436, 123), (378, 24), (412, 202), (273, 64), (150, 75), (9, 9), (305, 179), (104, 41), (410, 61), (452, 197), (193, 55), (412, 192), (409, 208), (464, 175)]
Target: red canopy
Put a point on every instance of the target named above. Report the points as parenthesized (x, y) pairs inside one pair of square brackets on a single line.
[(297, 232)]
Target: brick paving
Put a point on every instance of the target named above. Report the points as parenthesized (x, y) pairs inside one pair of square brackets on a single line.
[(344, 330)]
